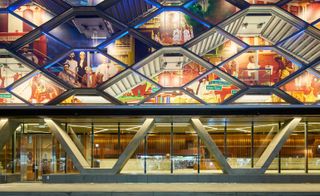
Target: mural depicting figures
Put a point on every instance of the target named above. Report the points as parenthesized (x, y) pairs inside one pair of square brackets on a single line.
[(85, 69), (307, 10)]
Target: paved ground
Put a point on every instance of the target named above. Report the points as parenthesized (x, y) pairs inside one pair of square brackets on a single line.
[(157, 189)]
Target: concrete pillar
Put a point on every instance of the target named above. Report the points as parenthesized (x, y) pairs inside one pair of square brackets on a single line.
[(68, 145), (211, 145)]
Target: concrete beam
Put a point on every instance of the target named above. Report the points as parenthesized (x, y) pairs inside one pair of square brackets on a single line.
[(276, 144), (133, 145), (68, 145), (211, 145), (7, 128)]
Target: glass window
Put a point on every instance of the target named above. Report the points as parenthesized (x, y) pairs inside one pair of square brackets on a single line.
[(85, 69), (313, 147), (212, 89), (106, 145), (42, 50), (38, 89), (264, 67), (158, 150), (293, 152), (239, 144), (85, 31), (85, 100), (307, 10), (83, 2), (172, 70), (128, 50), (131, 89), (172, 97), (172, 28), (11, 70), (213, 11), (6, 3), (185, 149), (12, 28), (35, 13), (260, 99), (7, 98), (6, 162), (305, 88), (317, 25)]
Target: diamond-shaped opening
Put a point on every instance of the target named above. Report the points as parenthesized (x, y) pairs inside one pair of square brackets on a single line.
[(172, 28), (172, 70), (212, 89), (38, 89), (83, 2), (307, 10), (317, 25), (35, 13), (11, 70), (259, 99), (317, 67), (80, 99), (85, 69), (131, 88), (172, 97), (42, 50), (7, 98), (85, 31), (305, 88), (12, 28), (171, 2), (262, 1), (265, 29), (260, 67), (128, 49), (6, 3), (213, 11), (129, 11)]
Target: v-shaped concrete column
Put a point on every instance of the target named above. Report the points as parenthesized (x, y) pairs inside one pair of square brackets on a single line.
[(276, 144), (68, 145), (211, 145), (7, 128)]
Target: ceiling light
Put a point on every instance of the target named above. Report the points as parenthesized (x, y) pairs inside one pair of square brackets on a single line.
[(244, 25)]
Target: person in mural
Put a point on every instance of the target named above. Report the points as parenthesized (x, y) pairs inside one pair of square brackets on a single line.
[(29, 55), (2, 75), (106, 70), (72, 67), (176, 35), (89, 79), (81, 68), (41, 90), (232, 68), (287, 70), (187, 33), (253, 67), (66, 75)]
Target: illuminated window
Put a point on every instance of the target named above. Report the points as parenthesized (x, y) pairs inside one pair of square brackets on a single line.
[(38, 89), (42, 50), (7, 98), (260, 99), (6, 3), (305, 88), (307, 10), (128, 50), (262, 1), (34, 13), (85, 31), (264, 67), (85, 69), (172, 2), (172, 70), (131, 88), (85, 100), (12, 28), (213, 11), (212, 89), (172, 97), (11, 70), (172, 28)]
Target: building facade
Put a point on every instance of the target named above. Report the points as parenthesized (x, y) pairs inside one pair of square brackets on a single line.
[(92, 90)]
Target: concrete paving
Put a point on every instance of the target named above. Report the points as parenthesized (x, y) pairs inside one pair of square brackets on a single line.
[(157, 189)]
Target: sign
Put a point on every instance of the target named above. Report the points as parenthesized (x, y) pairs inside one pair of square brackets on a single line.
[(5, 96), (214, 88)]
